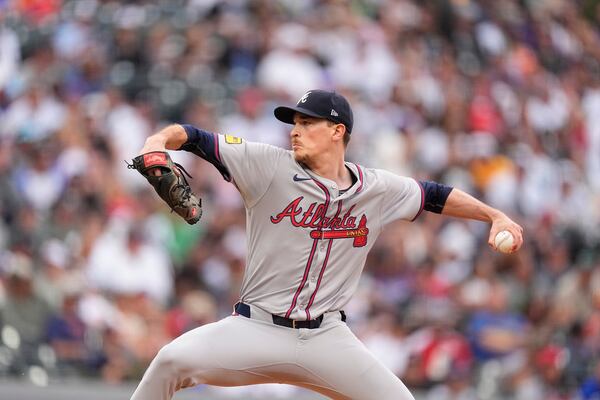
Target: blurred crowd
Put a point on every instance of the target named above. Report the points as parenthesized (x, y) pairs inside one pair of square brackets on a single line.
[(498, 98)]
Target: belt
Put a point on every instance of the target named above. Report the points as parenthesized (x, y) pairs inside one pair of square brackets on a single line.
[(244, 310)]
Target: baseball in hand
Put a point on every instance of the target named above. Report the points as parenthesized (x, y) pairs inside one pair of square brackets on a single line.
[(504, 241)]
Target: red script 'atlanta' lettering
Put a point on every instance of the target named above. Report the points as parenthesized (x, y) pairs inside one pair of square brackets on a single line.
[(313, 216)]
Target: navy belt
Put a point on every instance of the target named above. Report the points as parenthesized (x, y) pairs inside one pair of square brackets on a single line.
[(244, 310)]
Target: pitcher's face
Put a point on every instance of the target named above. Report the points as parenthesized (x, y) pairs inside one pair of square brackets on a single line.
[(310, 137)]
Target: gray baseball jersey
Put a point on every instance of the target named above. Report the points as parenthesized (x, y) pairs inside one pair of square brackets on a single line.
[(307, 241), (307, 245)]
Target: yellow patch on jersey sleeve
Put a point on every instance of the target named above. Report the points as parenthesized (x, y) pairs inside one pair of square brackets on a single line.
[(232, 139)]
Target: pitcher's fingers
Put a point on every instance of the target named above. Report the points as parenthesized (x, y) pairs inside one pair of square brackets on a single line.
[(518, 236)]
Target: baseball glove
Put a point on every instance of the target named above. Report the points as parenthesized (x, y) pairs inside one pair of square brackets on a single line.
[(171, 185)]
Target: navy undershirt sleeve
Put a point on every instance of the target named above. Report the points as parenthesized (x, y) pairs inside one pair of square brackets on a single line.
[(435, 195), (205, 145)]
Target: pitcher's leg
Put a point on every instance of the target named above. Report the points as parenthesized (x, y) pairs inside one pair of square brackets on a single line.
[(224, 353), (337, 357)]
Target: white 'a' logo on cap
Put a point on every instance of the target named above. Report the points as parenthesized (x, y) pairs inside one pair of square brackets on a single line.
[(303, 98)]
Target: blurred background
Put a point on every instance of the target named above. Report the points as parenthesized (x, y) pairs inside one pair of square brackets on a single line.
[(498, 98)]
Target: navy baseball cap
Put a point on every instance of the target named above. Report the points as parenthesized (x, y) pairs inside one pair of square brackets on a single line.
[(320, 104)]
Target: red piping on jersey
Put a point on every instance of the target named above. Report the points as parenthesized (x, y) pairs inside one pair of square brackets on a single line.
[(314, 295), (312, 251), (422, 201), (306, 271), (312, 298), (217, 147)]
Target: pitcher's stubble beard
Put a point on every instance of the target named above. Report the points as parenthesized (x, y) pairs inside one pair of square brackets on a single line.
[(302, 158)]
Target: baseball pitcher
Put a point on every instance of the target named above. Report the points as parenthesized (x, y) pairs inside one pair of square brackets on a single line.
[(312, 218)]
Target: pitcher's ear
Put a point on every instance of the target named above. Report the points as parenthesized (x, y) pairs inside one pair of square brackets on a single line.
[(340, 131)]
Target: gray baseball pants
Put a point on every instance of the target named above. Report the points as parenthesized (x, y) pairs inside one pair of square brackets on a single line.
[(238, 351)]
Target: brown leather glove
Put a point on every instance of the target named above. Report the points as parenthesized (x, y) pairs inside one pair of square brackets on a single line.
[(171, 184)]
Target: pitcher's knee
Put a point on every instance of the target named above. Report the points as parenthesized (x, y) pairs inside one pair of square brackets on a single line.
[(177, 360), (168, 359)]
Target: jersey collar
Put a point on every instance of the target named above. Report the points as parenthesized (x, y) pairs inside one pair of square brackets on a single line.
[(355, 170), (358, 174)]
